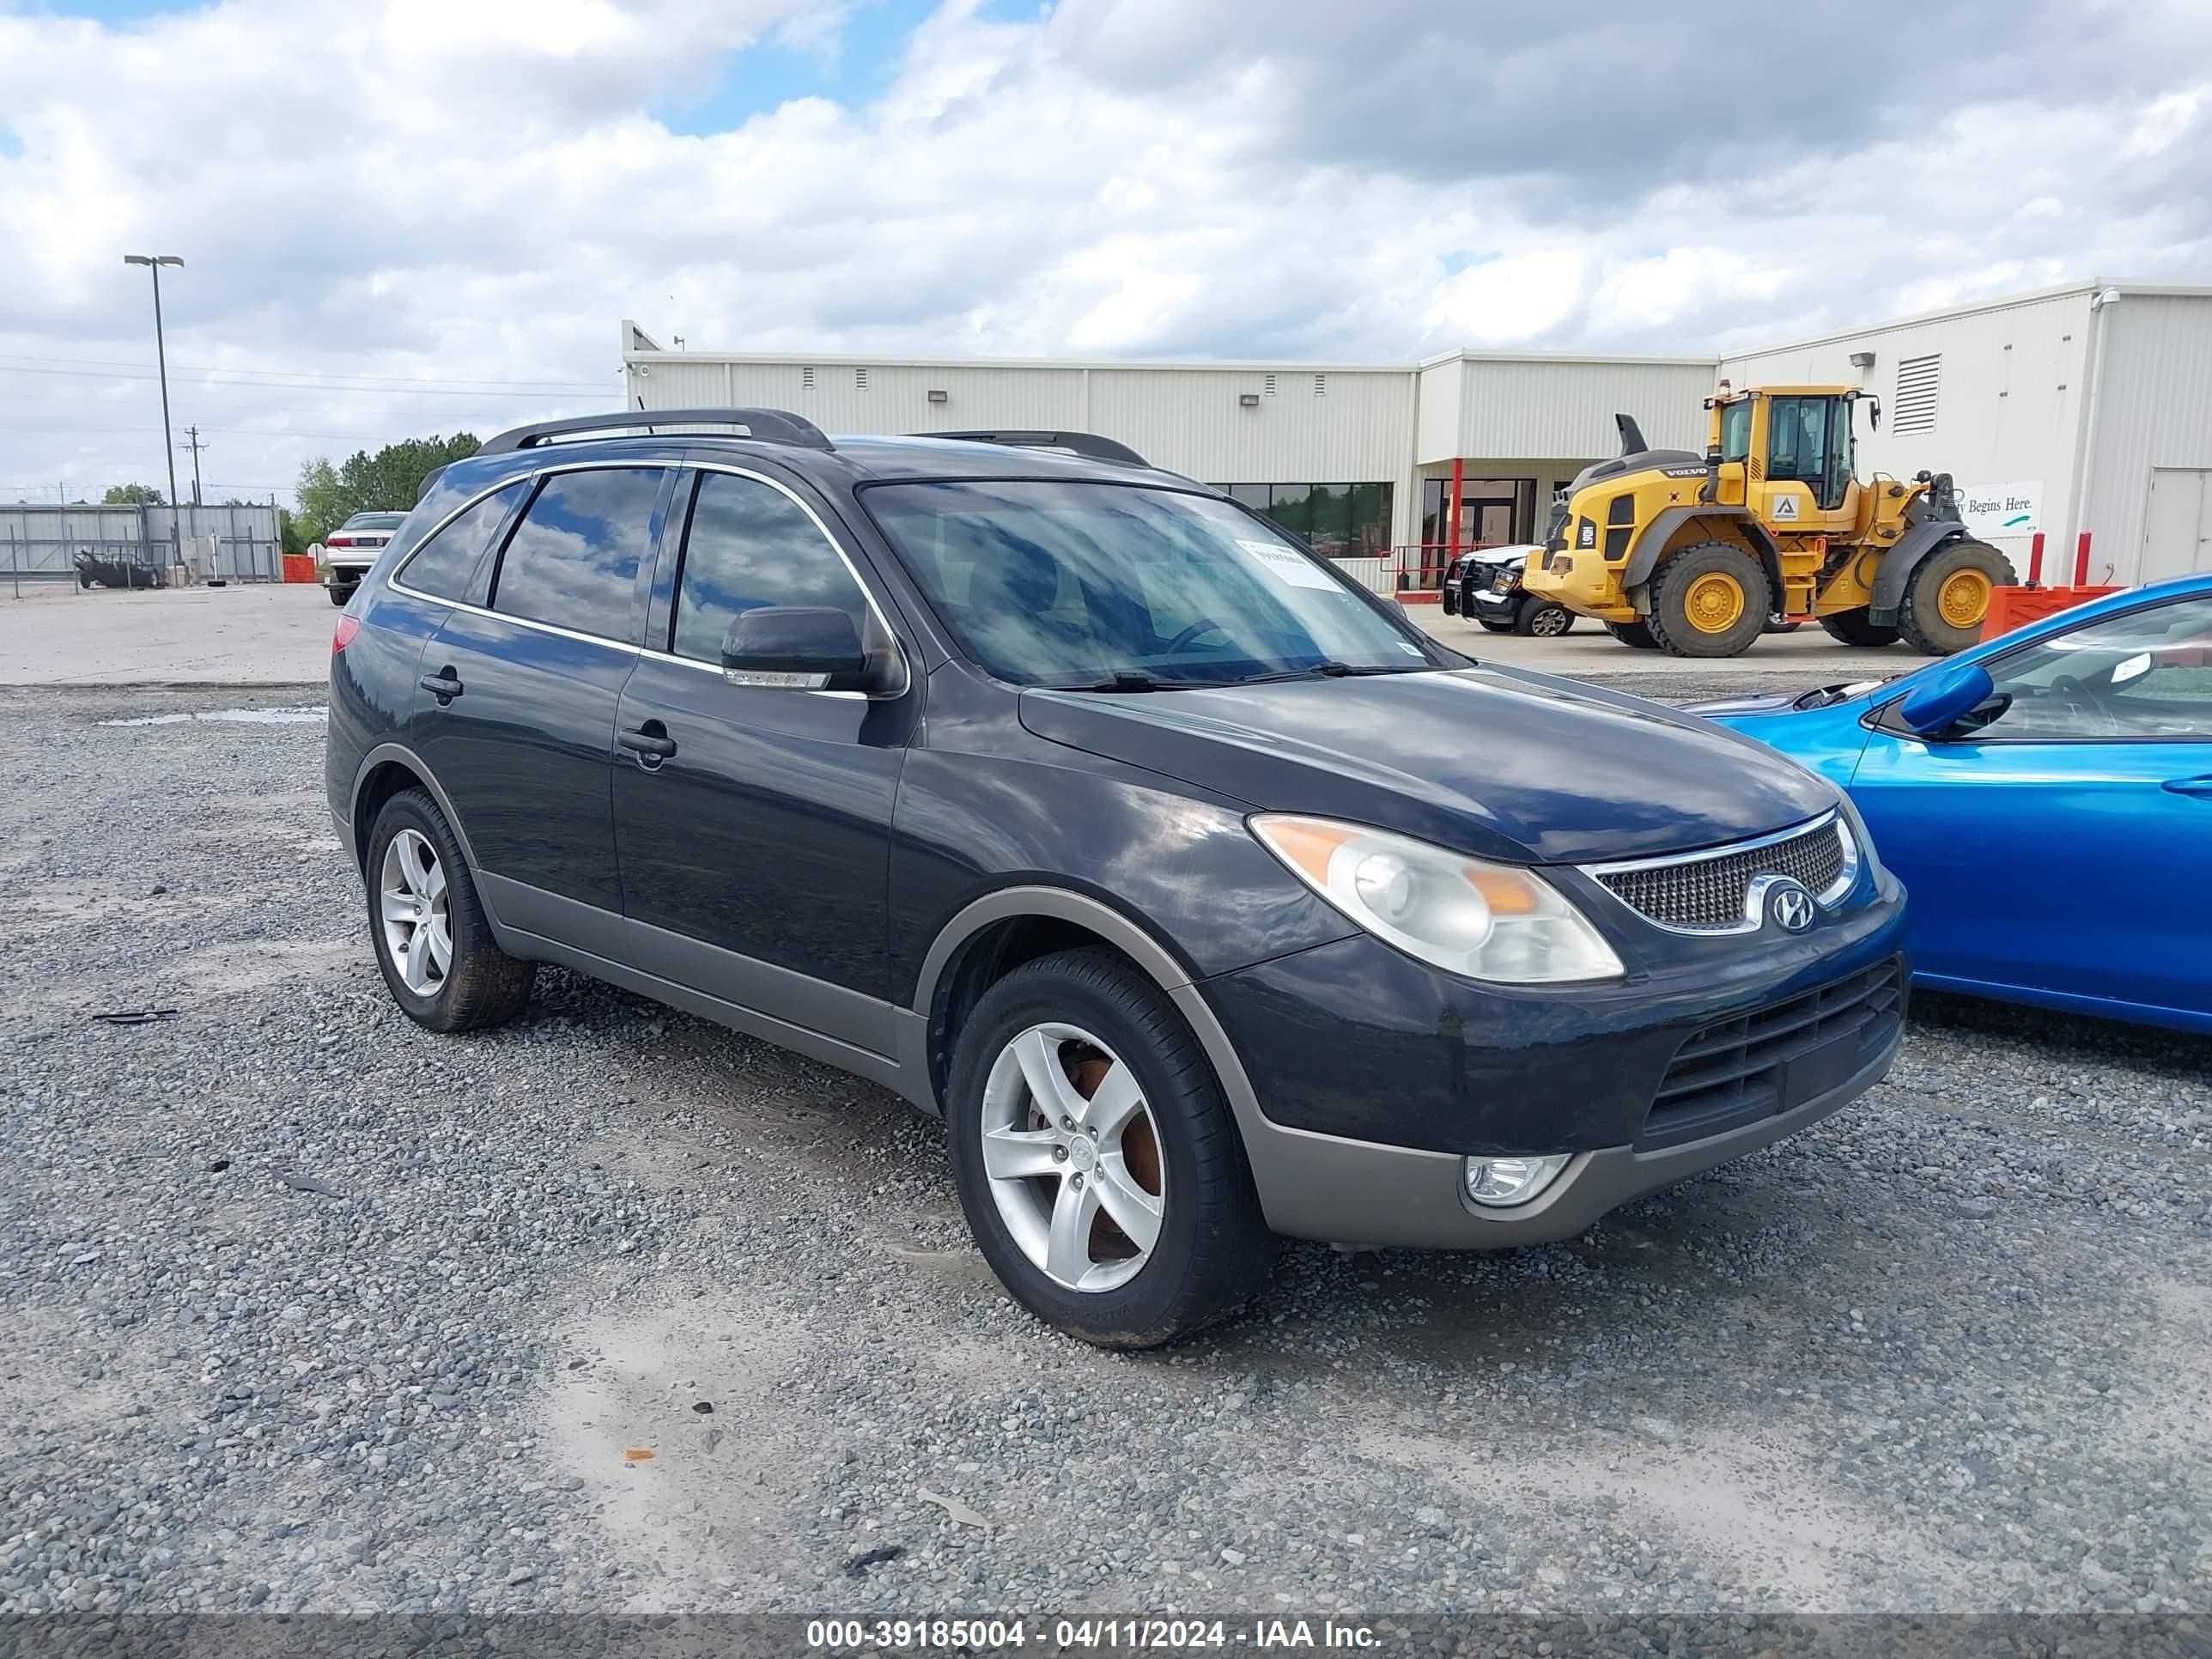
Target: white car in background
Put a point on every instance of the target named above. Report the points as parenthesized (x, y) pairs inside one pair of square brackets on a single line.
[(349, 551)]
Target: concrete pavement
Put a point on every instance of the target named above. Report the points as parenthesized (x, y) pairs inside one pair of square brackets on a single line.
[(246, 634)]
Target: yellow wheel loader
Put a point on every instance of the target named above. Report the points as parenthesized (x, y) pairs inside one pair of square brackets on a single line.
[(1698, 556)]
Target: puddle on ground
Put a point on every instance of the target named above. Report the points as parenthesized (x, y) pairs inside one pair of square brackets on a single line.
[(302, 716)]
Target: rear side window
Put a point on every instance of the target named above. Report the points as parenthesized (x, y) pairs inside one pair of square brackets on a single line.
[(573, 560), (749, 545), (445, 563)]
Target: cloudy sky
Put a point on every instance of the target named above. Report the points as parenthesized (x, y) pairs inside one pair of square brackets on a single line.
[(407, 216)]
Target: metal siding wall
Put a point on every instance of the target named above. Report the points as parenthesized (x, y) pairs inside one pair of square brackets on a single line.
[(1441, 391), (45, 539), (2009, 405), (1190, 421), (1542, 408), (2151, 412)]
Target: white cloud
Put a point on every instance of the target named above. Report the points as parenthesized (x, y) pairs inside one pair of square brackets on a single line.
[(440, 188)]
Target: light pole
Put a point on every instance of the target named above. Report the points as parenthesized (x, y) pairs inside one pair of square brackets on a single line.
[(153, 262)]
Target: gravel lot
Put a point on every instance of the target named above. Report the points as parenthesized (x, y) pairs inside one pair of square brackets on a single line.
[(304, 1309)]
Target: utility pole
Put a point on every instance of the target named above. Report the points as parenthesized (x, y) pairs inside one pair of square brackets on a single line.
[(153, 262), (195, 445)]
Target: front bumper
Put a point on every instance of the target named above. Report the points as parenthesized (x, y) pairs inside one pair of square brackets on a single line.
[(1357, 1192), (1489, 604), (1373, 1078)]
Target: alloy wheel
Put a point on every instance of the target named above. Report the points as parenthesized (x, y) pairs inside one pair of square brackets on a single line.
[(1072, 1157), (412, 907)]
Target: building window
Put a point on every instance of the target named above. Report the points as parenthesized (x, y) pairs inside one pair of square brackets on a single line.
[(1918, 380), (1341, 520)]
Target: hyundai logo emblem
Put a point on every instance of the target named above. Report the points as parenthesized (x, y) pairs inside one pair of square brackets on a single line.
[(1790, 905)]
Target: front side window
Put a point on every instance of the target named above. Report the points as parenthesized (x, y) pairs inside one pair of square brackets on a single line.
[(445, 565), (1083, 583), (1735, 431), (574, 560), (750, 545), (2144, 674)]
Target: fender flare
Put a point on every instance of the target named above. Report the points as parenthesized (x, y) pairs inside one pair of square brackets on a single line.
[(1901, 560), (1644, 555), (1159, 965), (401, 755)]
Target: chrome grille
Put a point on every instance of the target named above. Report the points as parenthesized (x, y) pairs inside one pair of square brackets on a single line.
[(1705, 892)]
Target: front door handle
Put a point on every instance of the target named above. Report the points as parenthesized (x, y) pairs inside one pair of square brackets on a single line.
[(650, 743), (2199, 787), (445, 685)]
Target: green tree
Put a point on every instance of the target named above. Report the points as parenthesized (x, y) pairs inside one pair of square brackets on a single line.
[(131, 495), (387, 481)]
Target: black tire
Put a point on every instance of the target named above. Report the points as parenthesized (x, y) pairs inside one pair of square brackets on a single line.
[(1671, 584), (1543, 621), (1781, 624), (340, 597), (1214, 1251), (1921, 618), (483, 985), (1495, 627), (1852, 627), (1635, 634)]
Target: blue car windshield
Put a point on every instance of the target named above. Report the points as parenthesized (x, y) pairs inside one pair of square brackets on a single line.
[(1116, 586)]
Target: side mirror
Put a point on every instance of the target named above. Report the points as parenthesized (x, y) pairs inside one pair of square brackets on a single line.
[(1939, 704), (799, 647)]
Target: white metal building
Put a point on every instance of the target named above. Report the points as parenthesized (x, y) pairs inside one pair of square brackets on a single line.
[(2083, 407)]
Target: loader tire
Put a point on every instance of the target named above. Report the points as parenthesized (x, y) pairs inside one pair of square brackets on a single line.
[(1948, 597), (1636, 634), (1708, 599), (1852, 627)]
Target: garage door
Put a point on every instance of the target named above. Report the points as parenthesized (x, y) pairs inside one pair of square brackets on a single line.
[(2178, 525)]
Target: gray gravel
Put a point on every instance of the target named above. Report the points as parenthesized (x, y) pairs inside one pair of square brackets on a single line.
[(302, 1307)]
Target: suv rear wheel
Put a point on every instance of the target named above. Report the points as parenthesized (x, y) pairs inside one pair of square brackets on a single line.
[(432, 940), (1096, 1159)]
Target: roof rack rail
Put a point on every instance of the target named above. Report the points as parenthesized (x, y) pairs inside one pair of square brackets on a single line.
[(1078, 443), (774, 426)]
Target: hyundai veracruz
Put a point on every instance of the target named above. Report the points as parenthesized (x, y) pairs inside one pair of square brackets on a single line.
[(1086, 809)]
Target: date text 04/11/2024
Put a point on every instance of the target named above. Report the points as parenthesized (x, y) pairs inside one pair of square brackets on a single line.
[(1090, 1634)]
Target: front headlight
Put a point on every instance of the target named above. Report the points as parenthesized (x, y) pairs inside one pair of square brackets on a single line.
[(1493, 922)]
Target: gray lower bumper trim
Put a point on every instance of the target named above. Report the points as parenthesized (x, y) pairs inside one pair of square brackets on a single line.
[(1358, 1192)]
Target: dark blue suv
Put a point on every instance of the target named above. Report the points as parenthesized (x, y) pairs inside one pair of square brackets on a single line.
[(1086, 809)]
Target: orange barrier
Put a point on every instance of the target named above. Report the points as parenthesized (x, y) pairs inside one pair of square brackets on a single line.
[(299, 567), (2016, 607)]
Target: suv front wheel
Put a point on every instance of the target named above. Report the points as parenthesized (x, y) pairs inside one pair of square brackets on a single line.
[(1097, 1160), (433, 940)]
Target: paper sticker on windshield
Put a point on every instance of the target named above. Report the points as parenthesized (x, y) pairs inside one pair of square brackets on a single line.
[(1288, 563)]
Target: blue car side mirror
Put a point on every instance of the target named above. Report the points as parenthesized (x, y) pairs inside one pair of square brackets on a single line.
[(1940, 703)]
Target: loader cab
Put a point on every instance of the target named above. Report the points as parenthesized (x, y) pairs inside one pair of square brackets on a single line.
[(1786, 436)]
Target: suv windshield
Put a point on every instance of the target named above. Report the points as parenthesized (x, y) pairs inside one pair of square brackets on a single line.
[(1118, 586)]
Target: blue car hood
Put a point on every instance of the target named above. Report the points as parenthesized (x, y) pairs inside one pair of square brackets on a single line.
[(1499, 764)]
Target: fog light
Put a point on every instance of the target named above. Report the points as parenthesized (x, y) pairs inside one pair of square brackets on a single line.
[(1500, 1183)]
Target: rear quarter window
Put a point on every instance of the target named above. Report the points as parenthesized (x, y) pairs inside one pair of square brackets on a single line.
[(445, 566)]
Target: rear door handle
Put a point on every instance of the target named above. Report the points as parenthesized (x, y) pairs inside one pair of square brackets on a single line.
[(650, 742), (445, 685), (2200, 786)]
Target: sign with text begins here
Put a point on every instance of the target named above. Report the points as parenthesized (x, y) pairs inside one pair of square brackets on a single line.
[(2003, 509)]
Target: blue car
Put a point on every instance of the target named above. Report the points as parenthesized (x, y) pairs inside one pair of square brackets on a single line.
[(2046, 798)]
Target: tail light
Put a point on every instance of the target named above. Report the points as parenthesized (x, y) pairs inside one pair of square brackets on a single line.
[(338, 541), (342, 635)]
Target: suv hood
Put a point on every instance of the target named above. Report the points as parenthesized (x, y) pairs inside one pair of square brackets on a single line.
[(1499, 764)]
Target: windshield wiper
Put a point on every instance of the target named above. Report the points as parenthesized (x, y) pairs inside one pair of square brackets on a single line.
[(1328, 670), (1125, 681)]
